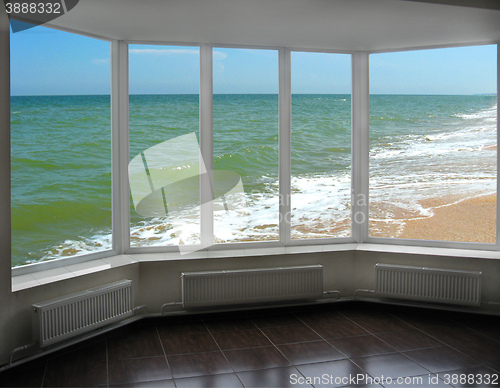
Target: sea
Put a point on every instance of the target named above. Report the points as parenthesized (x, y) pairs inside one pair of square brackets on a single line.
[(422, 147)]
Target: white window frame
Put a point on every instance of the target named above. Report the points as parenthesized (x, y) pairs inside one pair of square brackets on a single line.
[(435, 243), (359, 159)]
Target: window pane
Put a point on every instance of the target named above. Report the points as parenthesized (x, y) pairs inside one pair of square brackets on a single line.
[(433, 144), (60, 145), (164, 152), (321, 145), (245, 145)]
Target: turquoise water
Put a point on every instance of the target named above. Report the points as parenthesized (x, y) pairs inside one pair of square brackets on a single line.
[(61, 175), (61, 179)]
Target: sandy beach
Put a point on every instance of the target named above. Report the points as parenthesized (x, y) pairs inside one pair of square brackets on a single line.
[(470, 220)]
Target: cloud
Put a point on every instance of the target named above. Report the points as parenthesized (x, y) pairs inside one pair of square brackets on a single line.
[(217, 55), (101, 61)]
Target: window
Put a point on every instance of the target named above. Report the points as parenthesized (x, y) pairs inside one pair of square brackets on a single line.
[(432, 164), (433, 136), (321, 145), (164, 169), (245, 145), (60, 147)]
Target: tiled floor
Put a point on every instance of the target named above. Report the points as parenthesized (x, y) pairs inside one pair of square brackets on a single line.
[(340, 344)]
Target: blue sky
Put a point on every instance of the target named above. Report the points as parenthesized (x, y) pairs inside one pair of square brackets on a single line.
[(50, 62)]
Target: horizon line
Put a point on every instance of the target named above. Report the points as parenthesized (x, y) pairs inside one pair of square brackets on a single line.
[(255, 94)]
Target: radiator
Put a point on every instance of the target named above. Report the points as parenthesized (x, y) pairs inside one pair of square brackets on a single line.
[(236, 287), (62, 318), (428, 284)]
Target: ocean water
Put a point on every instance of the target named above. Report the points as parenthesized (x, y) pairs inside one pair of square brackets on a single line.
[(421, 147)]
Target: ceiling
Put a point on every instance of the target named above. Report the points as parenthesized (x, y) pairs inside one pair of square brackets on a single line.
[(344, 25)]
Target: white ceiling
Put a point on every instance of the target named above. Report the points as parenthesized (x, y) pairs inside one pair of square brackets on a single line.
[(363, 25)]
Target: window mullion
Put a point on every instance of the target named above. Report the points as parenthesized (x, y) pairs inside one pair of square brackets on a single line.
[(120, 147), (285, 122), (360, 119), (206, 145)]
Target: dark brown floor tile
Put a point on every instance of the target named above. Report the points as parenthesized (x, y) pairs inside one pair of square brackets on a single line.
[(476, 345), (169, 383), (135, 331), (331, 374), (198, 364), (320, 316), (137, 370), (484, 324), (338, 329), (222, 325), (456, 335), (485, 352), (271, 378), (255, 358), (75, 374), (479, 376), (30, 375), (366, 345), (272, 311), (390, 365), (377, 322), (186, 328), (120, 349), (241, 339), (310, 352), (276, 320), (290, 334), (215, 381), (441, 359), (423, 318), (183, 344), (409, 340), (91, 352)]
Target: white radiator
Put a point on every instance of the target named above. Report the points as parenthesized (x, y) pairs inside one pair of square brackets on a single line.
[(428, 284), (236, 287), (62, 318)]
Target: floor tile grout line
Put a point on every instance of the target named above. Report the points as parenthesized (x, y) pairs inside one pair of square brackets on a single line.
[(278, 349), (447, 345), (44, 373), (353, 359), (324, 339), (354, 336), (223, 354), (476, 331), (444, 343), (165, 354)]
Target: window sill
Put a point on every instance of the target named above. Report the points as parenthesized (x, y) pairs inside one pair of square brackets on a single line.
[(25, 281)]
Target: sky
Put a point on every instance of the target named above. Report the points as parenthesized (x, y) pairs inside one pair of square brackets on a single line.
[(50, 62)]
